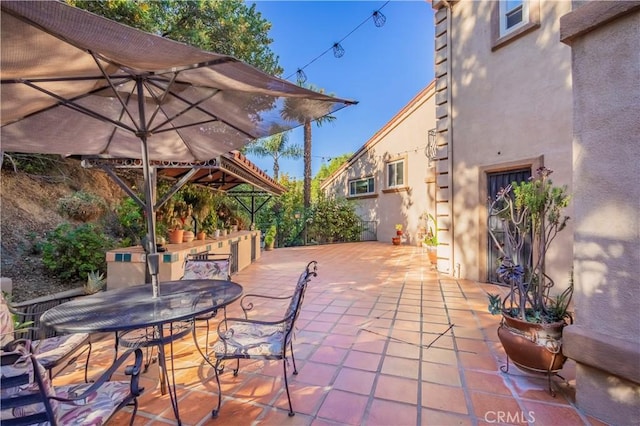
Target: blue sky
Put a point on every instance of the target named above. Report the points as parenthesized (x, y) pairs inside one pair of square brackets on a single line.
[(383, 68)]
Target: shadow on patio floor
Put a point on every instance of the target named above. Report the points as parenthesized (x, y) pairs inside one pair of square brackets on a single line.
[(382, 339)]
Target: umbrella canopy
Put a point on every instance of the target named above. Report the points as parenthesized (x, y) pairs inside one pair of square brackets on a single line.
[(74, 83)]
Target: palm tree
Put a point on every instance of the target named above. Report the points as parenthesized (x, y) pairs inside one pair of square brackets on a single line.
[(303, 110), (276, 146), (307, 156)]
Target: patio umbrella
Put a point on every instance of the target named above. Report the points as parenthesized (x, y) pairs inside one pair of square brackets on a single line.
[(74, 83)]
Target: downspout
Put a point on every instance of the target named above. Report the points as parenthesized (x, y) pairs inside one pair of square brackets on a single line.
[(452, 269)]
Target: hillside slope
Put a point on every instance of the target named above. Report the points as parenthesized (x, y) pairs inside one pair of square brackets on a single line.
[(28, 210)]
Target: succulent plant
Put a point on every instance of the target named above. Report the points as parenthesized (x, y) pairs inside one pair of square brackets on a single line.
[(95, 282)]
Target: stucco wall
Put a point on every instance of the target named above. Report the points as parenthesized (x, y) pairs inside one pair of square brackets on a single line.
[(404, 136), (511, 106), (605, 340)]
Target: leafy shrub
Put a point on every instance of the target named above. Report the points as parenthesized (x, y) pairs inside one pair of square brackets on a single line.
[(131, 219), (333, 220), (81, 206), (72, 252), (35, 242)]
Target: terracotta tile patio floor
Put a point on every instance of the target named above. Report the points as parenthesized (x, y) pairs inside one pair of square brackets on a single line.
[(382, 339)]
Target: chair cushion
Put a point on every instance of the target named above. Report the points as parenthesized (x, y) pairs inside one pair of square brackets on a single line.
[(24, 365), (96, 409), (206, 269), (246, 340), (51, 350)]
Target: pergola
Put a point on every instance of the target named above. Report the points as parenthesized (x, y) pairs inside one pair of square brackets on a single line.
[(224, 173)]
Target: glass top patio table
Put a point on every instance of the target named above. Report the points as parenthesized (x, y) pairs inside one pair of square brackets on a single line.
[(134, 307)]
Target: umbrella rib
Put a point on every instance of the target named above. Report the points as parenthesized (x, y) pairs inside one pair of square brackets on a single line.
[(165, 93), (113, 88), (70, 103), (191, 105), (196, 105)]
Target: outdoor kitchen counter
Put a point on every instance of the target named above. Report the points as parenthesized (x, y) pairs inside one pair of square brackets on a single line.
[(126, 266)]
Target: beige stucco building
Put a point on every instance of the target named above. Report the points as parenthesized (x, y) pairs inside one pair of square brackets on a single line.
[(519, 85), (390, 179), (605, 340), (503, 108)]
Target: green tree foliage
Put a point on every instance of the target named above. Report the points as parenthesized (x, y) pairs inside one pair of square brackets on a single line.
[(230, 27), (276, 147), (333, 220), (126, 223), (325, 171), (71, 253), (286, 212)]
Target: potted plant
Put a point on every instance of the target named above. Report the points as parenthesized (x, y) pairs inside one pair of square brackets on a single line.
[(398, 229), (430, 240), (270, 238), (530, 215), (178, 211)]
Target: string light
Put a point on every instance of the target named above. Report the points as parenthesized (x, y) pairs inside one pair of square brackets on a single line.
[(338, 51), (378, 18), (301, 77)]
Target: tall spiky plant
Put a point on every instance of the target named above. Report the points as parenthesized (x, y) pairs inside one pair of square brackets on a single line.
[(533, 208)]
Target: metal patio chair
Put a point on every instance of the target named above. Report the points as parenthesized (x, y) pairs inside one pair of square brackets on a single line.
[(206, 265), (242, 338), (50, 349), (28, 397)]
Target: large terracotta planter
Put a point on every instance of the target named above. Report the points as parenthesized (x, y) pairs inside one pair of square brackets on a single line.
[(532, 347), (188, 236), (176, 236)]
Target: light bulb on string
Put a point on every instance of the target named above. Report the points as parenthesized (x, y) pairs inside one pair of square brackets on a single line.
[(301, 76), (379, 19), (338, 50)]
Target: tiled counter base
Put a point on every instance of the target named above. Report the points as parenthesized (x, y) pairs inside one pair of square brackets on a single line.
[(126, 266)]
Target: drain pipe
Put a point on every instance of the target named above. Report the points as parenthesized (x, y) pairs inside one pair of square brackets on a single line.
[(450, 132), (450, 163)]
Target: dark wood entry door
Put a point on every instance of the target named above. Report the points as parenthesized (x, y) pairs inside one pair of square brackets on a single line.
[(495, 182)]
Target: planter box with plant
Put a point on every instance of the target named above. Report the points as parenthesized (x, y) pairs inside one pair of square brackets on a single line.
[(430, 240), (270, 238), (530, 215)]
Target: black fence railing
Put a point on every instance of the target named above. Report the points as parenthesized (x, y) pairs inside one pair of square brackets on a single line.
[(368, 230), (365, 231)]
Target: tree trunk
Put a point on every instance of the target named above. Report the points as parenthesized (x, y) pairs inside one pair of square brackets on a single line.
[(307, 175), (307, 165)]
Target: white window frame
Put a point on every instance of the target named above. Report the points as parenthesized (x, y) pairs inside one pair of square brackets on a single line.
[(503, 17), (370, 184), (500, 34), (388, 166)]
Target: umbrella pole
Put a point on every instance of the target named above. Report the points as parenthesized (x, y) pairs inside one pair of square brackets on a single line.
[(149, 196), (151, 249)]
